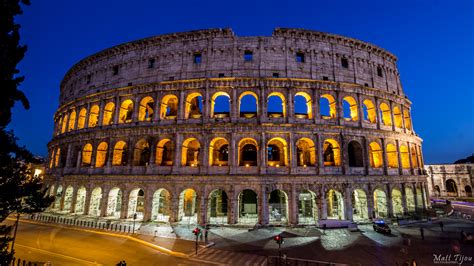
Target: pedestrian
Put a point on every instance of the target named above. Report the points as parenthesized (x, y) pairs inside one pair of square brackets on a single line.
[(422, 233), (205, 235), (441, 225)]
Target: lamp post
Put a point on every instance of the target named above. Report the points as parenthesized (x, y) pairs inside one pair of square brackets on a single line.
[(279, 240), (134, 218), (196, 232)]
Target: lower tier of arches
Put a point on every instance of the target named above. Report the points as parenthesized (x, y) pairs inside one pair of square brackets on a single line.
[(239, 200)]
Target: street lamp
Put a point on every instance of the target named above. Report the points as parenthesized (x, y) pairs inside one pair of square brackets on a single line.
[(197, 232), (279, 240)]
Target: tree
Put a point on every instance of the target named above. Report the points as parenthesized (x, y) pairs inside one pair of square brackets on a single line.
[(20, 191)]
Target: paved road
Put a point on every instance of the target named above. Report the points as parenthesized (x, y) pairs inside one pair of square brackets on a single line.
[(62, 246)]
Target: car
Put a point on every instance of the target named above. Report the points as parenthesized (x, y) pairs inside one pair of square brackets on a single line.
[(381, 227)]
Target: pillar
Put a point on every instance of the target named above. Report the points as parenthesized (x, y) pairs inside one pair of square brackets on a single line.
[(174, 208), (389, 201), (124, 207), (348, 203), (290, 110), (117, 110), (263, 153), (293, 206), (101, 112), (404, 200), (323, 204), (415, 196), (234, 104), (148, 205), (103, 202), (73, 201), (263, 218)]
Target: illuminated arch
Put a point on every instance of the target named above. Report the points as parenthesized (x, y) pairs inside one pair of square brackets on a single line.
[(332, 153), (385, 114), (219, 152), (164, 152), (397, 200), (169, 107), (72, 121), (359, 204), (109, 110), (161, 204), (57, 157), (335, 205), (188, 207), (190, 152), (380, 203), (126, 111), (81, 121), (248, 104), (193, 106), (414, 157), (277, 152), (305, 152), (248, 152), (80, 200), (94, 205), (404, 156), (136, 204), (370, 112), (120, 155), (218, 207), (86, 155), (406, 117), (276, 100), (349, 106), (410, 199), (114, 202), (220, 105), (146, 109), (64, 125), (304, 100), (141, 153), (397, 116), (375, 155), (327, 106), (101, 156), (67, 202), (278, 207), (392, 155), (94, 116)]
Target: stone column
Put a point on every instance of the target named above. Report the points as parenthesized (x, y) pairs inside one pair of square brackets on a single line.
[(204, 160), (101, 112), (73, 201), (293, 206), (293, 154), (202, 214), (404, 200), (415, 196), (263, 104), (206, 106), (234, 104), (412, 170), (136, 105), (263, 218), (384, 156), (88, 114), (87, 200), (377, 115), (181, 107), (117, 110), (323, 204), (233, 216), (148, 205), (263, 154), (290, 109), (68, 156), (124, 207), (177, 152), (233, 156), (315, 106), (348, 203), (174, 208), (392, 116), (423, 194), (360, 109), (370, 202), (389, 201), (366, 158), (156, 108), (319, 150), (103, 202), (344, 162), (402, 109), (399, 157)]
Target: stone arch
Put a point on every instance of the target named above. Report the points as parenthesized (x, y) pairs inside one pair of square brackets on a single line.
[(193, 106), (359, 205), (57, 157), (437, 191), (146, 109), (414, 157), (248, 152), (277, 152), (276, 105), (126, 111), (81, 120), (94, 206), (380, 203), (80, 200), (190, 152), (335, 205), (397, 202), (397, 117), (188, 206), (219, 152), (136, 204), (68, 194), (304, 105), (305, 152), (385, 114), (307, 207), (109, 111), (419, 198), (114, 203), (370, 111), (248, 104), (410, 199), (120, 155), (169, 107), (64, 125), (161, 206), (451, 188), (94, 116), (101, 155), (248, 207), (141, 153), (57, 197), (72, 121), (406, 118), (468, 190), (375, 155), (86, 157), (327, 106), (392, 155), (350, 108), (356, 157), (164, 152), (278, 207), (220, 105), (404, 156), (331, 153), (217, 207)]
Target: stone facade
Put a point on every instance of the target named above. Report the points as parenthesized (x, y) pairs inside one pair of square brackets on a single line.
[(142, 128), (450, 180)]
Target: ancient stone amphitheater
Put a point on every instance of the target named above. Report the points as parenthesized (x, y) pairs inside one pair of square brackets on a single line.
[(301, 127)]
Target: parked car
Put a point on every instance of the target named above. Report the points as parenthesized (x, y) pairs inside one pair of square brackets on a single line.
[(381, 227)]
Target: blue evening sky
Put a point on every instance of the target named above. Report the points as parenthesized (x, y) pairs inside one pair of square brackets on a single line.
[(432, 39)]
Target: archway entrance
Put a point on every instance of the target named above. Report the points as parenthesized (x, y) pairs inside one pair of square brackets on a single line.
[(160, 210), (136, 204), (380, 204), (248, 209), (278, 207), (468, 190), (359, 205), (94, 207), (217, 207), (451, 188), (114, 203), (68, 199), (188, 206), (397, 202), (307, 208), (419, 198), (57, 199), (410, 198), (335, 205), (80, 200)]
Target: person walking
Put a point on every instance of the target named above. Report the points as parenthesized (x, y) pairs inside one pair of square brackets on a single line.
[(205, 235), (422, 233), (441, 225)]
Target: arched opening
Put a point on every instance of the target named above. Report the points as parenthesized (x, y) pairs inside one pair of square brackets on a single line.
[(57, 197), (101, 157), (305, 152), (405, 157), (414, 157), (354, 150), (375, 155), (141, 153), (58, 126), (419, 198), (392, 156), (120, 156), (51, 191), (57, 157), (276, 105), (397, 202), (108, 114), (72, 121), (220, 105), (164, 152), (303, 105), (278, 207), (370, 112), (406, 117), (248, 210), (136, 204), (81, 120), (277, 151), (380, 204), (248, 152), (410, 199), (397, 116), (160, 210), (437, 191), (80, 200), (327, 106), (114, 203), (94, 116), (335, 205), (193, 106), (169, 107), (94, 206), (190, 153), (217, 207), (68, 198), (248, 104), (359, 205), (64, 125), (468, 190), (126, 112), (385, 114), (307, 208), (332, 153), (349, 106), (86, 155), (451, 188), (188, 207), (146, 109), (219, 152)]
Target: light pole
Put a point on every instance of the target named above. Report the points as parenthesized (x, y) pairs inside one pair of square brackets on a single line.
[(196, 232), (134, 218)]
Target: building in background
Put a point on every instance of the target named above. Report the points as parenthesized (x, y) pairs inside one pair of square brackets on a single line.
[(450, 180)]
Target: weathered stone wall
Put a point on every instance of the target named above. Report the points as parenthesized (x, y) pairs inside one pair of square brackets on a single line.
[(461, 174)]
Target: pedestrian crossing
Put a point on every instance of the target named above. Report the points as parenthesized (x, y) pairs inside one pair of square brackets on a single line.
[(228, 257)]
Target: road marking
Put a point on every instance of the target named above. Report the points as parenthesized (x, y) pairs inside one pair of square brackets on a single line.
[(59, 255)]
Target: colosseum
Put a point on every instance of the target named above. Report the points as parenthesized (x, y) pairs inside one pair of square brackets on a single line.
[(206, 127)]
